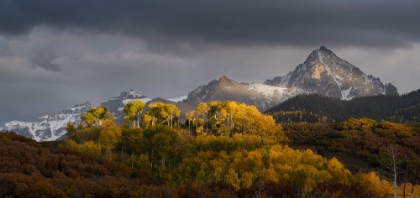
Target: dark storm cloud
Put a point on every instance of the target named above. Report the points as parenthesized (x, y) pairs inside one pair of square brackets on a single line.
[(55, 53), (234, 22)]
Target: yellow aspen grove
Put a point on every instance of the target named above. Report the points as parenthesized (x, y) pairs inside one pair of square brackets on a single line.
[(191, 118), (162, 113), (237, 149), (172, 113), (132, 110), (94, 116)]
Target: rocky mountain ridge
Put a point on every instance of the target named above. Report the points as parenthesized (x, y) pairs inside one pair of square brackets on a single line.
[(323, 73)]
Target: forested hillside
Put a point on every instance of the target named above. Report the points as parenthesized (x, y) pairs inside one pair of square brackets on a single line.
[(225, 149), (363, 145), (321, 109)]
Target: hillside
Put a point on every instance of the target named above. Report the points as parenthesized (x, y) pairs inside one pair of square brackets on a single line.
[(363, 145), (232, 151), (317, 108)]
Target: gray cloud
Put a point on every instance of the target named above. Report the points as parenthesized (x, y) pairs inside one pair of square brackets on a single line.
[(386, 24)]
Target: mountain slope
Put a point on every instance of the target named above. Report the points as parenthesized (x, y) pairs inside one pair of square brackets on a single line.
[(49, 127), (222, 89)]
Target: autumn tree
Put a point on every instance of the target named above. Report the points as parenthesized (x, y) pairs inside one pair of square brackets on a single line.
[(132, 110), (71, 129), (109, 137), (191, 118), (95, 115), (172, 113), (161, 113), (201, 110)]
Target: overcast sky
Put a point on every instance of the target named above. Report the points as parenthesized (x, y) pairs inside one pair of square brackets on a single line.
[(56, 53)]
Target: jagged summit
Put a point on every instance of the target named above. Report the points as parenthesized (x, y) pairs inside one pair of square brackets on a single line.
[(324, 50), (226, 82), (130, 94), (77, 108), (323, 72)]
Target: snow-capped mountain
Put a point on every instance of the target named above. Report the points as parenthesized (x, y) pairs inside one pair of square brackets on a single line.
[(49, 127), (261, 95), (116, 104), (52, 127), (258, 94), (325, 73)]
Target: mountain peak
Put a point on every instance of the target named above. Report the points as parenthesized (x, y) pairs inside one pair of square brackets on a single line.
[(223, 82), (86, 104), (320, 53), (323, 48), (223, 78), (130, 94), (325, 73), (222, 89)]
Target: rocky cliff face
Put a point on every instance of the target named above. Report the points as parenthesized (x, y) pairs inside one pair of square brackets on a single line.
[(325, 73)]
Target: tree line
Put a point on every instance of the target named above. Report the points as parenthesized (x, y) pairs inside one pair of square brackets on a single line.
[(316, 108), (226, 142)]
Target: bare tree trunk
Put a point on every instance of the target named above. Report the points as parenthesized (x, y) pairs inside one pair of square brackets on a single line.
[(138, 120)]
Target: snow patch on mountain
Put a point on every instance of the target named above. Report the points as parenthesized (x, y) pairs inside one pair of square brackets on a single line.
[(180, 99), (345, 93), (48, 127), (265, 90)]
